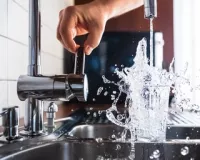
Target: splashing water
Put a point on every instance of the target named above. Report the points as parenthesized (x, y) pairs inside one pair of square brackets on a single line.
[(184, 151), (147, 89), (99, 90), (155, 154)]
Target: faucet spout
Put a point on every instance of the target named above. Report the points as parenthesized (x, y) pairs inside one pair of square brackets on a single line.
[(150, 9)]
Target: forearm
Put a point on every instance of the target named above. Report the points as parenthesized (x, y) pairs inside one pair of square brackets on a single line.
[(118, 7)]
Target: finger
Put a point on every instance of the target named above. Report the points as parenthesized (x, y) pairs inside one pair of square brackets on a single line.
[(68, 32), (93, 40)]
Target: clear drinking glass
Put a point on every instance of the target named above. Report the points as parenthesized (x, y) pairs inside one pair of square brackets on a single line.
[(150, 117)]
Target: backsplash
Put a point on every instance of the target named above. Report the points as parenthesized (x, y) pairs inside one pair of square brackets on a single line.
[(14, 45)]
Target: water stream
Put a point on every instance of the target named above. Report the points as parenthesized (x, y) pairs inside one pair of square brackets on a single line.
[(151, 42)]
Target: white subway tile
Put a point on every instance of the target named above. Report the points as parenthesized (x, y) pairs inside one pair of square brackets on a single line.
[(17, 60), (23, 3), (13, 99), (17, 22), (50, 12), (51, 65), (3, 58), (3, 17), (3, 94), (49, 42)]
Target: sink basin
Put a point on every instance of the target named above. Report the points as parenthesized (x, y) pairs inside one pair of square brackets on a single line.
[(91, 150), (104, 131), (88, 150)]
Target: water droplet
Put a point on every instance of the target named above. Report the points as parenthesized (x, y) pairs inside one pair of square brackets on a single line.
[(146, 93), (118, 147), (105, 93), (99, 90), (99, 140), (119, 117), (184, 151), (155, 154), (114, 92), (187, 138), (94, 114), (93, 99), (113, 136), (100, 158), (88, 113), (99, 112)]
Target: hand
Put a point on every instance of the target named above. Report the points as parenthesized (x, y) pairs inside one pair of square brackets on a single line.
[(79, 20)]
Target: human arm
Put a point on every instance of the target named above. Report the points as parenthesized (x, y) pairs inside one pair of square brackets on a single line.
[(90, 18)]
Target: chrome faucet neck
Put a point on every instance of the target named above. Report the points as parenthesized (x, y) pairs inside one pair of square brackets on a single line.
[(33, 119), (150, 9)]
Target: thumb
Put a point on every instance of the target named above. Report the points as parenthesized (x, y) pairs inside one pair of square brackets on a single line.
[(93, 40)]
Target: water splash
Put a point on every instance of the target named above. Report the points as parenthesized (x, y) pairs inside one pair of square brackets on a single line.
[(155, 154), (184, 151), (147, 90), (99, 90)]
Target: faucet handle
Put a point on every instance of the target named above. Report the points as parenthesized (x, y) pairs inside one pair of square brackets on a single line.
[(79, 65)]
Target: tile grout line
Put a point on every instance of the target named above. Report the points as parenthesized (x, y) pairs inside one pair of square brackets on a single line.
[(13, 40), (20, 5), (42, 51), (27, 11), (8, 80)]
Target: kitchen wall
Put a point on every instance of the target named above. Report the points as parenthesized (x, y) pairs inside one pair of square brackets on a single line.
[(14, 45)]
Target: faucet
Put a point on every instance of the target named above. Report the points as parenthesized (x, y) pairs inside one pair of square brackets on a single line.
[(150, 9), (34, 88)]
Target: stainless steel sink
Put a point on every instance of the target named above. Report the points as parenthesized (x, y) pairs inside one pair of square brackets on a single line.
[(87, 150), (92, 139), (95, 131), (91, 150)]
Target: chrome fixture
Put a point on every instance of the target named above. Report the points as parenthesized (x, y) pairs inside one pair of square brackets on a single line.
[(50, 114), (150, 9), (34, 87), (10, 119)]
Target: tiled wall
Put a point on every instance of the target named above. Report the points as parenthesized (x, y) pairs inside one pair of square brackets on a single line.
[(14, 45)]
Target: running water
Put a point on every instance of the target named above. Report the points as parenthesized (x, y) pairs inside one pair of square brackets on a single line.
[(151, 42)]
